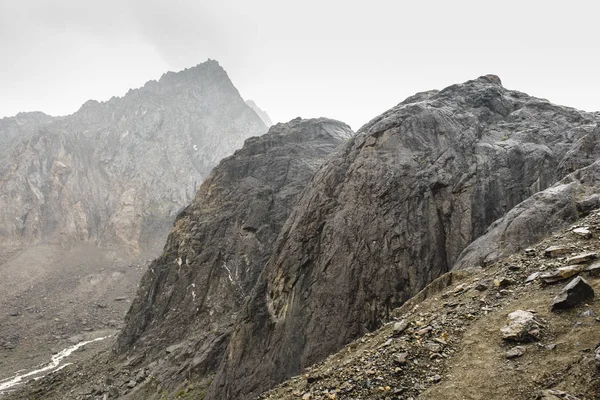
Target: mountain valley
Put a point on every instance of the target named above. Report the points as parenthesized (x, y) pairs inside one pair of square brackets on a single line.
[(311, 263)]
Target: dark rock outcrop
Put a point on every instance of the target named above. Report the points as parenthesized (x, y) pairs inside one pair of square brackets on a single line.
[(117, 172), (189, 298), (390, 213), (577, 291)]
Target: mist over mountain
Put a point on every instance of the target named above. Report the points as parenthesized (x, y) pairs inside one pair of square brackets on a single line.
[(297, 250), (86, 200), (262, 114), (116, 173)]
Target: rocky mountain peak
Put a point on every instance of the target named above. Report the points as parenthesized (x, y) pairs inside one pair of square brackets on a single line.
[(492, 78), (391, 212), (116, 172)]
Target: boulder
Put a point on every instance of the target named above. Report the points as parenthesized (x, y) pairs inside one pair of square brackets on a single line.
[(561, 273), (555, 251), (515, 352), (522, 326), (582, 258), (576, 292)]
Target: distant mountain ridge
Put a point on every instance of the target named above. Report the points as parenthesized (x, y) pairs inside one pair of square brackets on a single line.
[(116, 172), (262, 114)]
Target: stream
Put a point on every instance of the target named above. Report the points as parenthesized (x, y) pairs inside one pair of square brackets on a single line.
[(54, 365)]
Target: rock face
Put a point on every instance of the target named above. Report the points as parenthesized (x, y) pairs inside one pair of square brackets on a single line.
[(117, 172), (393, 211), (575, 195), (190, 297)]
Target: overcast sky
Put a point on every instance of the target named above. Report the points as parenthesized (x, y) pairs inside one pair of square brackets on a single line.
[(349, 60)]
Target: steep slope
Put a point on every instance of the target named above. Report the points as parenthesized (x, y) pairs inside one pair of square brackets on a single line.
[(116, 173), (191, 295), (446, 343), (391, 213)]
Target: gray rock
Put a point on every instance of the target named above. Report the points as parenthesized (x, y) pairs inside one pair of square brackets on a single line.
[(75, 339), (220, 243), (587, 313), (582, 232), (522, 326), (394, 210), (113, 392), (400, 327), (533, 277), (433, 347), (594, 269), (583, 258), (555, 251), (576, 292), (515, 352), (117, 172), (561, 273), (401, 358)]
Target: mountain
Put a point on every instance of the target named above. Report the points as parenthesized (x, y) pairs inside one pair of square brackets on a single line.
[(190, 297), (250, 292), (87, 199), (262, 114), (116, 173), (392, 212), (447, 342)]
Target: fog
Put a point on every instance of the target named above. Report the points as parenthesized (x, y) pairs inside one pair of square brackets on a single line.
[(344, 60)]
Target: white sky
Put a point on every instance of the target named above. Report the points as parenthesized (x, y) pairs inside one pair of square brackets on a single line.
[(349, 60)]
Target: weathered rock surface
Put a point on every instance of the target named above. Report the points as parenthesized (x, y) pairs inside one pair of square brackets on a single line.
[(450, 348), (553, 208), (117, 172), (395, 209), (516, 352), (522, 326), (472, 361), (189, 298), (577, 291)]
